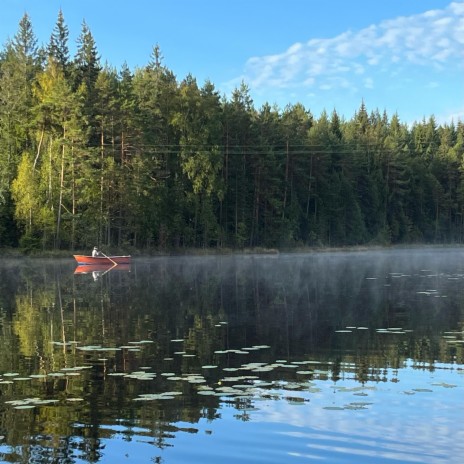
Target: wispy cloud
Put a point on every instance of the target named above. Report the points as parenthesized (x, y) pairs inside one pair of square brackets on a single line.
[(433, 39)]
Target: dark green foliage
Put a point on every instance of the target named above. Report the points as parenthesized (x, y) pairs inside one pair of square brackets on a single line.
[(9, 233), (58, 45), (139, 159)]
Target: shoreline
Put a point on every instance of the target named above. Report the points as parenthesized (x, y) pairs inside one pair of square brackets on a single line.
[(58, 254)]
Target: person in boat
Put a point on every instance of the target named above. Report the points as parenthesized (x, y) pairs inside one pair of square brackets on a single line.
[(95, 252)]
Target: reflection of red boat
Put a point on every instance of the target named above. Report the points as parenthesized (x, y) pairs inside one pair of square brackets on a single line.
[(105, 260), (89, 268)]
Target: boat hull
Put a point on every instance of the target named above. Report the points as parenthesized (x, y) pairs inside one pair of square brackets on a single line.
[(84, 260)]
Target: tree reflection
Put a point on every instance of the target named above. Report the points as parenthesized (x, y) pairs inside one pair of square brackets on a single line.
[(201, 326)]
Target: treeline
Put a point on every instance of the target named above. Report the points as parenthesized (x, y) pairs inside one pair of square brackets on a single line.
[(135, 158)]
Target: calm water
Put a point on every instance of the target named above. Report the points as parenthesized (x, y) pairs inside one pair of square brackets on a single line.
[(331, 357)]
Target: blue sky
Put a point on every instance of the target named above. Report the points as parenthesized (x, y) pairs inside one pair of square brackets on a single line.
[(402, 56)]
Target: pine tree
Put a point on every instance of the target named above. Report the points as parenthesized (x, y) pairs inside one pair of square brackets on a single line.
[(58, 45), (19, 64)]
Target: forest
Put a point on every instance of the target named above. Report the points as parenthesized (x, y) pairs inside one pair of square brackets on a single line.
[(140, 160)]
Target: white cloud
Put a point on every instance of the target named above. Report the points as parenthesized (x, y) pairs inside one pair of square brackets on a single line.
[(451, 116), (368, 83), (430, 40)]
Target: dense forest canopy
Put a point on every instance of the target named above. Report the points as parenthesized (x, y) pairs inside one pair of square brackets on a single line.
[(137, 159)]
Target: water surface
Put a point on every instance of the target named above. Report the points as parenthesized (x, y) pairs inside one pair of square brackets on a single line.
[(324, 357)]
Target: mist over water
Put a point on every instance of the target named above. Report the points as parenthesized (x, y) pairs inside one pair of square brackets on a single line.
[(343, 356)]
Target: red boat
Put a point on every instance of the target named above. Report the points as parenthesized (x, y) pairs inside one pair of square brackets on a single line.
[(102, 260)]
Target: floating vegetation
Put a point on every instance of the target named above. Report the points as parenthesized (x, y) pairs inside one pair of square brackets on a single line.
[(321, 372), (312, 389), (196, 380), (444, 385), (207, 392), (357, 406), (237, 379), (263, 369), (295, 400), (229, 391), (73, 342), (241, 384), (140, 375), (361, 403), (292, 386), (205, 387), (157, 396), (262, 384), (253, 365), (29, 403), (353, 389), (391, 330), (89, 348)]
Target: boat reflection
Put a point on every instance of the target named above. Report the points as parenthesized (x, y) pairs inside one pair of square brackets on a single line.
[(98, 270)]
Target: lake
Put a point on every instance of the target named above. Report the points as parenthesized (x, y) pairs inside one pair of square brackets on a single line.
[(343, 357)]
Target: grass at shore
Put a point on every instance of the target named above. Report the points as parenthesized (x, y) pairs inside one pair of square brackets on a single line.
[(58, 254)]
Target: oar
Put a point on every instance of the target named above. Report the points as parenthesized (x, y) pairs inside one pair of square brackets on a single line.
[(114, 262), (109, 269)]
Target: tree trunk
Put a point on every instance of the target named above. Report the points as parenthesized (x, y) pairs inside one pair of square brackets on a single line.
[(60, 202)]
